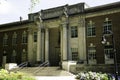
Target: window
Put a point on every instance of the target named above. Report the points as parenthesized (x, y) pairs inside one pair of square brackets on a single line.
[(91, 29), (74, 54), (24, 37), (13, 57), (74, 32), (108, 51), (24, 55), (35, 36), (91, 53), (5, 40), (107, 26), (14, 39)]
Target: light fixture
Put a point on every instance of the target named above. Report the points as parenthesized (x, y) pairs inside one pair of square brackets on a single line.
[(103, 40)]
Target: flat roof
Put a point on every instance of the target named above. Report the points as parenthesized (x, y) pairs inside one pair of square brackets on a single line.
[(103, 7), (15, 23)]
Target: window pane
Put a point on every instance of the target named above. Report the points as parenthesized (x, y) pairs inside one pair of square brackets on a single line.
[(74, 54), (74, 32), (91, 29), (35, 36), (91, 53), (24, 37), (107, 26), (108, 51)]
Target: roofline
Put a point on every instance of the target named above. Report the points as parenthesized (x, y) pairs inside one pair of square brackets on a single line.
[(103, 7), (43, 10), (87, 10), (15, 23)]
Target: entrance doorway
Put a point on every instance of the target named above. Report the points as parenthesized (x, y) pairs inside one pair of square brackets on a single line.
[(54, 46)]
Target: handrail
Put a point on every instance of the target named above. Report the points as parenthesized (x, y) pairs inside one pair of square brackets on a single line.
[(24, 64), (41, 65)]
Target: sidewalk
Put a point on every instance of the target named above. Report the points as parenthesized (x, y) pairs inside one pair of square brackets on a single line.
[(55, 77)]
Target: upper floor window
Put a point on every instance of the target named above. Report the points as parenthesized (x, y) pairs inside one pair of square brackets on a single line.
[(14, 39), (91, 29), (5, 40), (35, 36), (24, 37), (107, 26), (74, 32)]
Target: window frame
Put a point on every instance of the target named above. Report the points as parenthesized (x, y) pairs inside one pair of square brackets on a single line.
[(14, 39), (110, 53), (35, 36), (24, 37), (74, 52), (107, 26), (14, 55), (5, 40), (92, 53), (74, 31), (91, 30)]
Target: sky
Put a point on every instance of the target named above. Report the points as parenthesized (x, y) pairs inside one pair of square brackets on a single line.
[(11, 10)]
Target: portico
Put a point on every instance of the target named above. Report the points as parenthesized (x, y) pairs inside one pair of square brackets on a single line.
[(54, 41)]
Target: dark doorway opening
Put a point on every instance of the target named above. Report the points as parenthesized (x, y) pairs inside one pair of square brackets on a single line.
[(54, 46)]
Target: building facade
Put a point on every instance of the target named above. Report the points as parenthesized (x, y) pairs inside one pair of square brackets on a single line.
[(65, 33), (99, 21)]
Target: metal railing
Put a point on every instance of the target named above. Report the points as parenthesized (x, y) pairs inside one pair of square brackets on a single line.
[(21, 66), (43, 65), (24, 64)]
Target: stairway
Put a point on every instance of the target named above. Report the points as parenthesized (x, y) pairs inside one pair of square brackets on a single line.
[(47, 73), (43, 71)]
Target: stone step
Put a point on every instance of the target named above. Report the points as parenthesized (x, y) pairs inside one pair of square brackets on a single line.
[(44, 71)]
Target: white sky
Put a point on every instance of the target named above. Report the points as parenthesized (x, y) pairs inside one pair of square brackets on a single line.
[(11, 10)]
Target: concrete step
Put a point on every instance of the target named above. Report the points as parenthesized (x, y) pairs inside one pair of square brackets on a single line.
[(44, 71)]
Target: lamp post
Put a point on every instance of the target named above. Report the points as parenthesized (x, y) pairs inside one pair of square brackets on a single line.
[(114, 51)]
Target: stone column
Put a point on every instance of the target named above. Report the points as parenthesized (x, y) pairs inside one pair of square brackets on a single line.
[(43, 45), (61, 41), (82, 39), (46, 44), (64, 32), (30, 45), (39, 44)]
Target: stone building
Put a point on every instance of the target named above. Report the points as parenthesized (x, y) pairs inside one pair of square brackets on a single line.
[(62, 34)]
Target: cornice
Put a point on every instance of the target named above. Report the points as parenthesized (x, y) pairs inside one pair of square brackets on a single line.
[(58, 11), (104, 12)]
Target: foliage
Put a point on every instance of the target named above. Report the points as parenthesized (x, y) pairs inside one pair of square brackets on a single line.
[(33, 4), (5, 75), (93, 76)]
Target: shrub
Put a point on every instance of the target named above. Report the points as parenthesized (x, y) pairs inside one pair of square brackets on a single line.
[(5, 75), (93, 76)]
